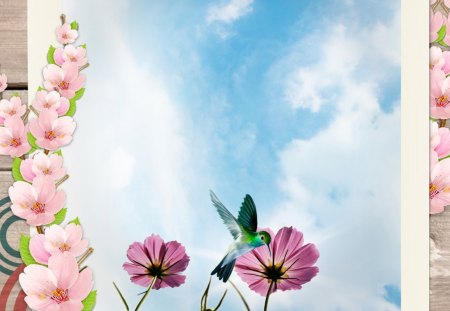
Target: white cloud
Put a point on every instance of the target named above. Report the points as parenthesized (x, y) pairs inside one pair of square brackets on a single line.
[(121, 167), (229, 12)]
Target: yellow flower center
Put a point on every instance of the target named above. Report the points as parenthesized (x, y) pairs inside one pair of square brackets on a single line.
[(50, 135), (38, 208), (63, 85), (59, 295), (64, 247), (442, 101), (15, 142)]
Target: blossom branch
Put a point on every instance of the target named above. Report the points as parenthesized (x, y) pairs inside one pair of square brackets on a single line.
[(85, 256), (59, 182)]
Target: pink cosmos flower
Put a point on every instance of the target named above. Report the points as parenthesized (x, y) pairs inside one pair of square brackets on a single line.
[(290, 265), (436, 22), (439, 94), (3, 82), (42, 165), (66, 34), (58, 240), (440, 140), (51, 101), (37, 203), (13, 137), (60, 287), (439, 186), (70, 53), (64, 79), (11, 107), (52, 132), (156, 259)]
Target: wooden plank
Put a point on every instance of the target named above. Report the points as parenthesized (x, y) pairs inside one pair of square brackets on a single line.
[(13, 41)]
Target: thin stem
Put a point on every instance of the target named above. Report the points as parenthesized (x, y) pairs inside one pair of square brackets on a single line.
[(266, 303), (434, 6), (83, 67), (63, 19), (240, 295), (220, 302), (34, 111), (40, 230), (121, 297), (146, 293), (85, 256), (63, 179), (204, 299), (46, 151), (25, 116), (442, 122)]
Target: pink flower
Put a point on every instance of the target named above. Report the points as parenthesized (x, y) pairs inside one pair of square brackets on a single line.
[(51, 101), (439, 94), (69, 53), (447, 3), (436, 58), (36, 203), (436, 22), (288, 267), (440, 140), (64, 79), (3, 82), (13, 137), (42, 165), (11, 107), (52, 132), (58, 240), (439, 186), (66, 34), (156, 259), (60, 287)]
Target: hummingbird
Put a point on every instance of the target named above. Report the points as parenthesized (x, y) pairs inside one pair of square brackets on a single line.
[(244, 232)]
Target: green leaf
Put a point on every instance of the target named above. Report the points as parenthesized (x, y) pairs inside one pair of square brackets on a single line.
[(79, 94), (15, 94), (84, 46), (50, 53), (75, 221), (40, 88), (32, 140), (89, 301), (58, 152), (16, 169), (441, 33), (59, 217), (441, 42), (72, 108), (74, 25), (24, 248)]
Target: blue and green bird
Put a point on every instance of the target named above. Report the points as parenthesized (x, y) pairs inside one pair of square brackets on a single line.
[(244, 231)]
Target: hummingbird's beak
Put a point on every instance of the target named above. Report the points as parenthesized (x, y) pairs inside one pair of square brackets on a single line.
[(270, 252)]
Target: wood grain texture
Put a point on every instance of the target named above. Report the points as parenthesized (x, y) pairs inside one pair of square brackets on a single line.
[(13, 41)]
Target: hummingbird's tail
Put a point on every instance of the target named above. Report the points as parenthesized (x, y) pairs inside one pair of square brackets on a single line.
[(224, 272)]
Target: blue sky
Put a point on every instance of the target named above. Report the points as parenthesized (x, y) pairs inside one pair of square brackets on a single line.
[(296, 103)]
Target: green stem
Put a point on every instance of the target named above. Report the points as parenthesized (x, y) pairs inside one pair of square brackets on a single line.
[(146, 293), (240, 295), (267, 296), (121, 297)]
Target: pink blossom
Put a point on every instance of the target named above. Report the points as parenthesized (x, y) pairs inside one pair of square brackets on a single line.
[(440, 140), (51, 101), (42, 165), (447, 3), (439, 94), (156, 259), (290, 265), (11, 107), (60, 287), (436, 57), (57, 240), (70, 53), (436, 22), (3, 82), (64, 79), (37, 203), (13, 137), (52, 132), (66, 34), (439, 186)]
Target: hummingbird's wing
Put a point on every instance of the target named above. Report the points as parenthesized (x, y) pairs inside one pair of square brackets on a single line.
[(228, 219), (247, 214)]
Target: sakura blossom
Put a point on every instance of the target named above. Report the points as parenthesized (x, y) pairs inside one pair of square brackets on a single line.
[(51, 101), (52, 132), (11, 107), (13, 137), (65, 79), (439, 185), (58, 287), (57, 240), (37, 203), (42, 164), (436, 22), (3, 82), (65, 34), (70, 53), (439, 94)]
